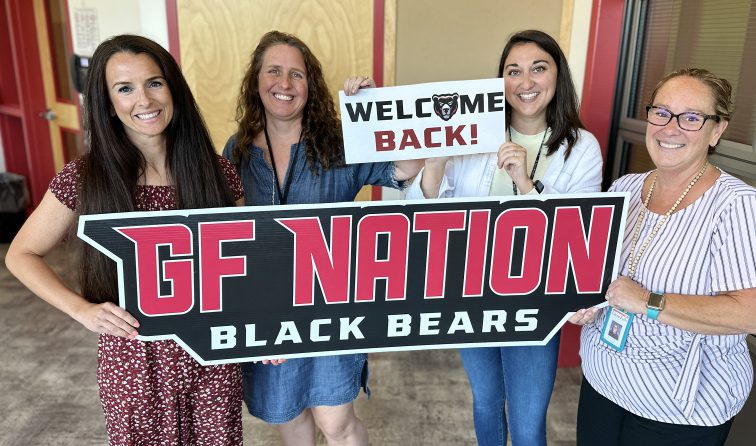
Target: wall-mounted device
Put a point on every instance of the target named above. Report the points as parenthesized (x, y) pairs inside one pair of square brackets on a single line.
[(79, 70)]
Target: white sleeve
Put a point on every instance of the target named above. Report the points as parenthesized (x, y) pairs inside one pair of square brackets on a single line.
[(582, 171)]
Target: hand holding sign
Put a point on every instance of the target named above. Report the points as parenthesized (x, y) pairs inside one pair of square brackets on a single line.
[(514, 159), (353, 84)]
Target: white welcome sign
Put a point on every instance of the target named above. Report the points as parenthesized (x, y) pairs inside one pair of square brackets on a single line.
[(423, 120)]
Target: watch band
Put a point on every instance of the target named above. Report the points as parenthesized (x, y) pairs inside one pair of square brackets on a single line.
[(655, 305)]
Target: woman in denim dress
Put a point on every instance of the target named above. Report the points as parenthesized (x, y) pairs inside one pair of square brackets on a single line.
[(289, 150)]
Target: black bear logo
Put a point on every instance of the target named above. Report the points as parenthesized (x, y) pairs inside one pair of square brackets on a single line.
[(445, 105)]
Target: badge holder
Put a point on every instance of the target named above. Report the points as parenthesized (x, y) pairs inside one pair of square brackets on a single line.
[(616, 328)]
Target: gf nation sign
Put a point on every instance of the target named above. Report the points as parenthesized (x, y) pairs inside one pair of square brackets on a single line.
[(247, 283)]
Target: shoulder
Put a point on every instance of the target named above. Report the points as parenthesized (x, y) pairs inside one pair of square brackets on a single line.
[(586, 138), (226, 165), (229, 146), (629, 183), (65, 185), (735, 187), (732, 193), (231, 176), (586, 144)]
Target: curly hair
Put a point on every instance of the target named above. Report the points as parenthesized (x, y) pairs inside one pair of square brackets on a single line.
[(321, 128)]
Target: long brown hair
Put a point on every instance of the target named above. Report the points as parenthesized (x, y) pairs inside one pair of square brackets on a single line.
[(562, 114), (112, 165), (321, 128)]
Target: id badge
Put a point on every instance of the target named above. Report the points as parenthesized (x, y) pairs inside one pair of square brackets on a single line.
[(616, 328)]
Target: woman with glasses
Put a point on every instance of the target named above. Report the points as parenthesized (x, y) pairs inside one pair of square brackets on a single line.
[(549, 152), (679, 370)]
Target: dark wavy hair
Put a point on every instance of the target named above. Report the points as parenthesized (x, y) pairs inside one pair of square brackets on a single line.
[(321, 128), (113, 165), (721, 91), (562, 114)]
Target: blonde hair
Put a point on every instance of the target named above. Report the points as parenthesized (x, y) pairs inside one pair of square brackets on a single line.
[(721, 89)]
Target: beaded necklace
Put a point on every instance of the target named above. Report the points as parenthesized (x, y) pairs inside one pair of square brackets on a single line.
[(633, 260)]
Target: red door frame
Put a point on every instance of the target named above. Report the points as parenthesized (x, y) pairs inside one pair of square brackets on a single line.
[(27, 150), (596, 109)]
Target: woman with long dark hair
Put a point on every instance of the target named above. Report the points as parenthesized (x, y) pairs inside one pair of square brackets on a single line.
[(148, 150), (289, 149), (548, 152)]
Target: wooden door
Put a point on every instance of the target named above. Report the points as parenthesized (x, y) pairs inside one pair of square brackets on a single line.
[(39, 111)]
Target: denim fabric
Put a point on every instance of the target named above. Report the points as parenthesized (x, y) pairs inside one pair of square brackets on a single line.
[(277, 394), (521, 378), (334, 185)]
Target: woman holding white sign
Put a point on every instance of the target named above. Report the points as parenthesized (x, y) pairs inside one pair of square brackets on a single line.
[(678, 369), (549, 152), (289, 150), (148, 151)]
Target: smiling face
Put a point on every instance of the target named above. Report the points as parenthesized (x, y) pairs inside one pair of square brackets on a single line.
[(282, 83), (530, 78), (139, 95), (672, 148)]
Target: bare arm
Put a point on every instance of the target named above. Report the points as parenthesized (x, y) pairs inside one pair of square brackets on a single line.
[(44, 229), (432, 176), (406, 169), (732, 312)]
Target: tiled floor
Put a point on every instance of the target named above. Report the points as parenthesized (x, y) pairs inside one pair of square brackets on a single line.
[(48, 393)]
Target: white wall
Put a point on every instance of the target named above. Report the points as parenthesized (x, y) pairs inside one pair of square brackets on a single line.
[(578, 53), (93, 21), (2, 155)]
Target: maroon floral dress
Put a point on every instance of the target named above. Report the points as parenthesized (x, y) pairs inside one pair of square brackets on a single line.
[(154, 393)]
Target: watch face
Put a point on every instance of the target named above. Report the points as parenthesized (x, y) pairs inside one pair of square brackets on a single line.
[(655, 301)]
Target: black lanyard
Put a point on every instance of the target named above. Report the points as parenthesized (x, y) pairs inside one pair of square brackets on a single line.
[(283, 196), (538, 157)]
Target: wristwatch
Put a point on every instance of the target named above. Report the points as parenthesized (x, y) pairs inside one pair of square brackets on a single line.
[(655, 305), (538, 186)]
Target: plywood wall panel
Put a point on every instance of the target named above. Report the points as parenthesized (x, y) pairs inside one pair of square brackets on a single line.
[(218, 37)]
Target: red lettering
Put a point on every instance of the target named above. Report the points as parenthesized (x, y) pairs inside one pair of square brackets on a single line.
[(393, 268), (384, 141), (178, 272), (214, 266), (312, 256), (428, 137), (534, 222), (437, 225), (409, 139), (569, 246), (477, 244), (455, 134)]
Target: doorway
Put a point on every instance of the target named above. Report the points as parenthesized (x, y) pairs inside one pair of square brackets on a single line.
[(39, 108)]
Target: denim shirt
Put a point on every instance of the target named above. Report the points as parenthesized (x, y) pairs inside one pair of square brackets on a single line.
[(336, 184)]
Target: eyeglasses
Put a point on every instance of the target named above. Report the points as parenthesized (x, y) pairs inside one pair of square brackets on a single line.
[(690, 121)]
